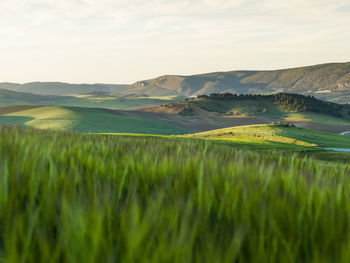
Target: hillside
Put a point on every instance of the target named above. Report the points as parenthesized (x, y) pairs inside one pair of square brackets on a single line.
[(326, 81), (97, 99), (102, 112), (58, 88), (274, 105), (274, 136), (208, 112), (83, 120)]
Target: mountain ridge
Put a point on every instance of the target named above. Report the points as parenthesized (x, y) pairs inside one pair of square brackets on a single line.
[(326, 81), (330, 81)]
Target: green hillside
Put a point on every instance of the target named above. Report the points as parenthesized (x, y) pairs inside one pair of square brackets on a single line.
[(82, 119), (273, 136), (68, 197), (92, 100), (59, 88), (276, 106), (326, 81)]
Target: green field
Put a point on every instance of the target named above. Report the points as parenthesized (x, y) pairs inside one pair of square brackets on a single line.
[(315, 117), (69, 197), (275, 136), (93, 100), (290, 107), (86, 120)]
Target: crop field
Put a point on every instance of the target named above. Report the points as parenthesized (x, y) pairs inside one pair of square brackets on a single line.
[(70, 197), (270, 135), (82, 119)]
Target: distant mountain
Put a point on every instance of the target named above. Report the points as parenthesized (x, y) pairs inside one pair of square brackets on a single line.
[(58, 88), (326, 81)]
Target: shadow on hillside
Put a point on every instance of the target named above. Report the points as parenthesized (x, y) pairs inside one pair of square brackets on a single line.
[(14, 120)]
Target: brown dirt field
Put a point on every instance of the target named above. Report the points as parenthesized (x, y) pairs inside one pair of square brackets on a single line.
[(16, 108)]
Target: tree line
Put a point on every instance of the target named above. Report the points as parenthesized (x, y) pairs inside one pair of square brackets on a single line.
[(288, 101)]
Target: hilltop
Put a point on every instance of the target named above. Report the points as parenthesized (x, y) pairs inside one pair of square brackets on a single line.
[(326, 81)]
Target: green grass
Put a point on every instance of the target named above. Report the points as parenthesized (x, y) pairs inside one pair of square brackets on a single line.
[(86, 120), (9, 98), (264, 107), (255, 107), (113, 102), (262, 137), (315, 117), (68, 197)]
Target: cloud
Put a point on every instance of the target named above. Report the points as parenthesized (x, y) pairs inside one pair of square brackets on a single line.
[(171, 31)]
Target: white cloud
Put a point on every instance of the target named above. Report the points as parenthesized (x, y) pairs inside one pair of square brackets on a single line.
[(143, 38)]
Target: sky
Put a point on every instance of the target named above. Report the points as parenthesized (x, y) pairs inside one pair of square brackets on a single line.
[(123, 41)]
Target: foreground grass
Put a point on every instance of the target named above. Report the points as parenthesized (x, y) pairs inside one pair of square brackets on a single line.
[(66, 197)]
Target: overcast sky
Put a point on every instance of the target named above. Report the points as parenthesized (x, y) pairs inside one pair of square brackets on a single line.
[(122, 41)]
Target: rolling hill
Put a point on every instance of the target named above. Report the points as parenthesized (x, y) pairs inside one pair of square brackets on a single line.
[(274, 136), (97, 99), (208, 112), (83, 120), (59, 88), (326, 81), (105, 113)]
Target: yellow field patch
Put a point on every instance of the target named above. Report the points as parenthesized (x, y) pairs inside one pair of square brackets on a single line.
[(250, 134)]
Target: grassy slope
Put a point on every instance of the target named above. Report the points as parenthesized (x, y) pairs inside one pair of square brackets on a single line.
[(8, 98), (265, 108), (66, 197), (316, 117), (59, 88), (86, 120), (112, 102), (274, 136)]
